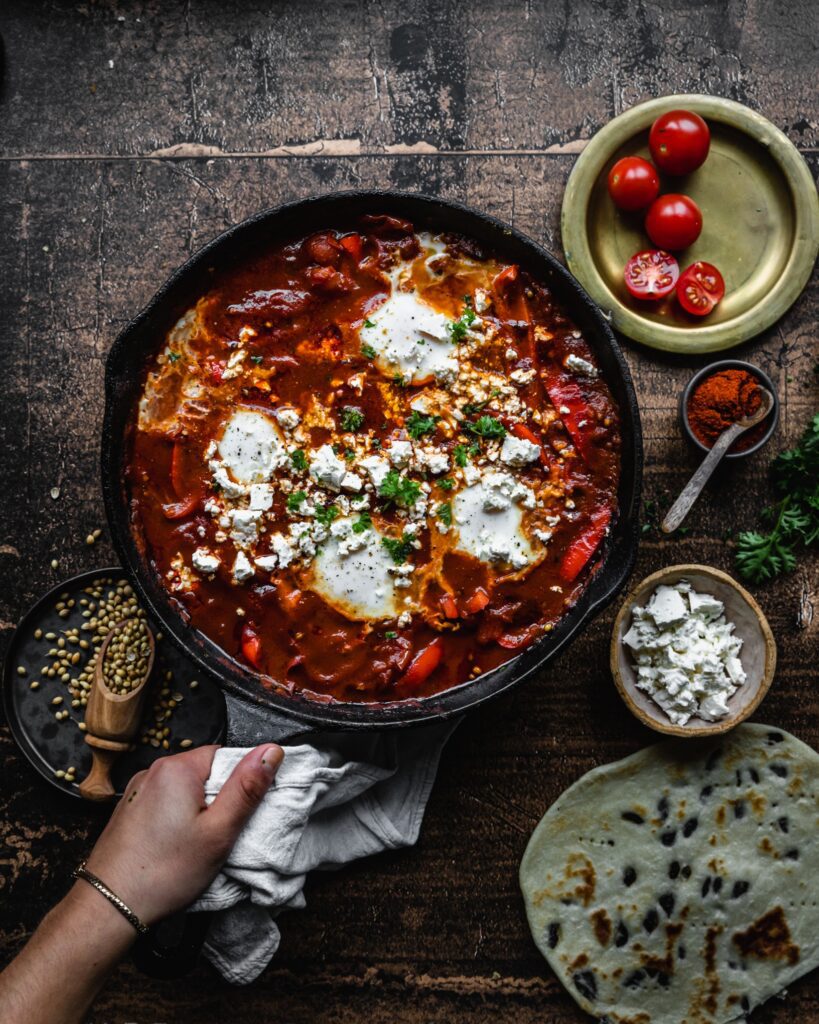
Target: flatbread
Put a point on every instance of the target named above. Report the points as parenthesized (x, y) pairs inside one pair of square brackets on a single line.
[(681, 885)]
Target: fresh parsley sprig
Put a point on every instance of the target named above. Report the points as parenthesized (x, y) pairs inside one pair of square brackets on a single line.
[(398, 490), (399, 548), (793, 519), (417, 425), (487, 427), (459, 327), (352, 419)]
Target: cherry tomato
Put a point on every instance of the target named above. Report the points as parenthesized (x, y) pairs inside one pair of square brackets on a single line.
[(679, 142), (633, 183), (651, 274), (700, 288), (673, 221)]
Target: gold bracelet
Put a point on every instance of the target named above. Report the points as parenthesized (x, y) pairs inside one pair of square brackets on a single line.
[(101, 887)]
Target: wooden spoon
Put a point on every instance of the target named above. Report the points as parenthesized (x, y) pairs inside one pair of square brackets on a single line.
[(111, 720), (682, 506)]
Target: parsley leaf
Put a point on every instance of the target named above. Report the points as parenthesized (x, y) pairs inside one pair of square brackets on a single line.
[(325, 514), (173, 357), (364, 522), (368, 351), (398, 490), (369, 323), (472, 408), (352, 419), (390, 634), (399, 550), (399, 380), (459, 327), (418, 425), (256, 359), (794, 519), (299, 459), (464, 453), (446, 483), (294, 500), (488, 427), (445, 513)]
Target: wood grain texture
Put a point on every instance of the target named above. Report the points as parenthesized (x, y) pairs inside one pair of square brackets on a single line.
[(96, 210)]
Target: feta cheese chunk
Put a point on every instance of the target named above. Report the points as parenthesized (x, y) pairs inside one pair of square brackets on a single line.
[(205, 561), (242, 569), (327, 469), (517, 451), (686, 657), (399, 453), (287, 417), (580, 365), (261, 497)]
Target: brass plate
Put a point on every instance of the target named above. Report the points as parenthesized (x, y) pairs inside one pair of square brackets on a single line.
[(760, 225)]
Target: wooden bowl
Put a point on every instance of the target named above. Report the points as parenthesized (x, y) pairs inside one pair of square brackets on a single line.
[(758, 654)]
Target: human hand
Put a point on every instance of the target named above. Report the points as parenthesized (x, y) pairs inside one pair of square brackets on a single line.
[(163, 846)]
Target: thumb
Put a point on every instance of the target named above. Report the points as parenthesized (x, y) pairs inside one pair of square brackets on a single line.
[(244, 790)]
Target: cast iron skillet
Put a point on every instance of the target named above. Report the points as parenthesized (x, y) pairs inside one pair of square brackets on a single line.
[(142, 337)]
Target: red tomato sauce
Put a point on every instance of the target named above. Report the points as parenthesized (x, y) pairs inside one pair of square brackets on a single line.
[(296, 313)]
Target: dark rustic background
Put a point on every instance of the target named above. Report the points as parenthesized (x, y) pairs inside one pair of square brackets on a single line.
[(131, 133)]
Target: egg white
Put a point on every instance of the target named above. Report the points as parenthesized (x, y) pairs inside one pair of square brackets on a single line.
[(495, 537), (251, 446), (411, 338)]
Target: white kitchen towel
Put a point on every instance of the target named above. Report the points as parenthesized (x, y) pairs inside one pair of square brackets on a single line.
[(335, 799)]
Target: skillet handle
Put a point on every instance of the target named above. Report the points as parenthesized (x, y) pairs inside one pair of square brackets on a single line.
[(172, 948), (248, 725)]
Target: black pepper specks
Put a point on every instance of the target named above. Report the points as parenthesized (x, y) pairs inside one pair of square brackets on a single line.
[(739, 889), (662, 808), (780, 770), (713, 759), (690, 827), (635, 979), (792, 854), (673, 869), (620, 934), (739, 809), (669, 838), (774, 737), (783, 823), (705, 792), (706, 886)]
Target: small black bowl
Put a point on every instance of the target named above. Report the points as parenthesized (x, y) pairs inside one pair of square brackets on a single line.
[(730, 364)]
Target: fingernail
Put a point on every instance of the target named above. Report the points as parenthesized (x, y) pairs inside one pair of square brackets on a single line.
[(271, 758)]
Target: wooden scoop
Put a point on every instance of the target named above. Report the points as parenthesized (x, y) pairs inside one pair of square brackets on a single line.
[(111, 720), (682, 506)]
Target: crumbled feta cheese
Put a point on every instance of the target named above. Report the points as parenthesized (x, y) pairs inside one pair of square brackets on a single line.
[(282, 548), (234, 364), (327, 469), (267, 563), (447, 372), (471, 474), (377, 468), (244, 526), (580, 365), (404, 620), (287, 417), (399, 453), (432, 459), (685, 654), (226, 484), (522, 377), (242, 569), (517, 451), (205, 561), (511, 354), (351, 482), (483, 300), (261, 497)]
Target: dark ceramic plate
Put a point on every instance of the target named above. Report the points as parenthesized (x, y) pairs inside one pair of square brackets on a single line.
[(142, 337)]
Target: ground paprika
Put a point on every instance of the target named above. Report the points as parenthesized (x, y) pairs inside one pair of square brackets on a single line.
[(720, 400)]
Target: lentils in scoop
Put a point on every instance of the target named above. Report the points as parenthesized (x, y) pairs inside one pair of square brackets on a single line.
[(126, 657)]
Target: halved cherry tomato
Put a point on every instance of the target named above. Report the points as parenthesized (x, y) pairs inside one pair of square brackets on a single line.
[(477, 602), (679, 142), (673, 221), (447, 602), (423, 664), (700, 288), (354, 245), (633, 183), (581, 550), (651, 274), (251, 645)]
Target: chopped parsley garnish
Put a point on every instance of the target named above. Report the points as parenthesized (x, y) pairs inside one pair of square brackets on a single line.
[(445, 513), (418, 425), (369, 323), (375, 443), (256, 359), (463, 453), (368, 351), (471, 408), (399, 550), (349, 454), (294, 500), (399, 380), (446, 484), (459, 327), (325, 514), (398, 490), (299, 459), (173, 357), (352, 419), (364, 522), (336, 449), (487, 427), (390, 634)]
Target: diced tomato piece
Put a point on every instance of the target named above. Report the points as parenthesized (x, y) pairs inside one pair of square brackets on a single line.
[(354, 245), (180, 509), (449, 606), (216, 369), (518, 640), (572, 408), (423, 664), (289, 596), (251, 645), (275, 304), (318, 350), (581, 550), (477, 602)]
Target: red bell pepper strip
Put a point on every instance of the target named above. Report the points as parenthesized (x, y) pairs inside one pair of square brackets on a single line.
[(581, 550), (354, 245), (180, 509), (517, 641), (423, 664), (477, 602), (251, 645), (572, 408), (449, 606)]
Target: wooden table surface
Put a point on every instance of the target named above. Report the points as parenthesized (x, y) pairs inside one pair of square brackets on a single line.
[(134, 132)]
